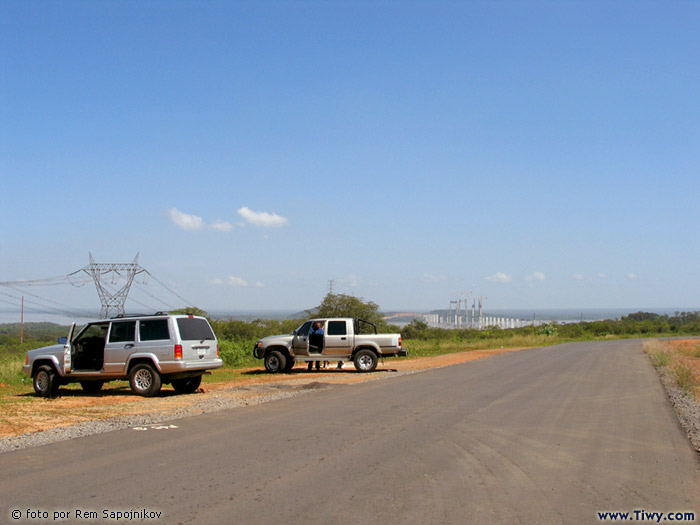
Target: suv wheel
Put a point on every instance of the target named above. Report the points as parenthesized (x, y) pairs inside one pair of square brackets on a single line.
[(46, 381), (365, 360), (275, 362), (144, 380), (188, 385)]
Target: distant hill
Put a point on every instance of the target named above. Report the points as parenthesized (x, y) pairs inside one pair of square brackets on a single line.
[(41, 331)]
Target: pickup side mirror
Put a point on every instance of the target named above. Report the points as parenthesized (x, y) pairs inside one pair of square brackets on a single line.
[(62, 340)]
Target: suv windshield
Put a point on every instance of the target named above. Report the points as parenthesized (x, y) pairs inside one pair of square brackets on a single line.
[(193, 329)]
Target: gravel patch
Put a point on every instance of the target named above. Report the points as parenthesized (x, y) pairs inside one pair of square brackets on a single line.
[(687, 408), (225, 399), (229, 399)]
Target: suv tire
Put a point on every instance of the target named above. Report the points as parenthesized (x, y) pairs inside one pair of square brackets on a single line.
[(187, 385), (46, 381), (144, 380)]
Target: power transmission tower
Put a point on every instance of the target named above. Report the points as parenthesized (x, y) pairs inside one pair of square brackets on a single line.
[(331, 282), (112, 302)]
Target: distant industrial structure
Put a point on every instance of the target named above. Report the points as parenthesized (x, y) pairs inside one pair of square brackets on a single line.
[(459, 315)]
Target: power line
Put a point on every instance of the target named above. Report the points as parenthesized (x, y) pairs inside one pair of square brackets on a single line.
[(111, 296)]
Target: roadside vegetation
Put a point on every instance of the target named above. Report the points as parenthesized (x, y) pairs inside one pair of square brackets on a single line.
[(236, 338), (680, 359)]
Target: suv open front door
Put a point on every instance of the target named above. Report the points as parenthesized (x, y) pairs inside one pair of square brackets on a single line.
[(67, 350)]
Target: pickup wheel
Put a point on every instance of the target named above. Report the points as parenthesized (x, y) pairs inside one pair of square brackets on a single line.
[(365, 361), (275, 362), (46, 381), (92, 387), (188, 385), (144, 380)]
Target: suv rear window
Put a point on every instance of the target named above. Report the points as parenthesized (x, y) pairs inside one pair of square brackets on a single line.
[(153, 330), (193, 329)]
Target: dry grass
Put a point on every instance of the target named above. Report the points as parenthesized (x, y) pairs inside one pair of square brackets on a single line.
[(682, 360)]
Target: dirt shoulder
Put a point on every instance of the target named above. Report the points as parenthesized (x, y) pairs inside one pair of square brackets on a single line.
[(25, 414)]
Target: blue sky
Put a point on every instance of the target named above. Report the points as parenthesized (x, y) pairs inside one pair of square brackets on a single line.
[(541, 154)]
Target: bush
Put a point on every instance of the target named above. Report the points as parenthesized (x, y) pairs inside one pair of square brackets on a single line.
[(237, 354)]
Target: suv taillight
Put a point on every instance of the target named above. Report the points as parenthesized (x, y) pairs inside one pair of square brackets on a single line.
[(217, 351), (399, 341), (178, 351)]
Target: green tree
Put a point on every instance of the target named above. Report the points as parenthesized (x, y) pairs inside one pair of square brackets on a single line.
[(341, 305), (193, 310)]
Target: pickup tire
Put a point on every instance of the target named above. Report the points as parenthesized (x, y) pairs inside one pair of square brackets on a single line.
[(365, 360), (46, 381), (144, 380), (188, 385), (275, 362), (92, 387)]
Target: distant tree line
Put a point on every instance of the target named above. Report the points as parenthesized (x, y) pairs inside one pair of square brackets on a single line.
[(639, 323), (240, 334)]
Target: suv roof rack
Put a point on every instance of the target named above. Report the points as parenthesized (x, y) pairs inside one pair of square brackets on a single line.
[(122, 316)]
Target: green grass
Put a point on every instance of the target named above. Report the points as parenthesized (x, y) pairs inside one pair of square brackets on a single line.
[(11, 371), (425, 348)]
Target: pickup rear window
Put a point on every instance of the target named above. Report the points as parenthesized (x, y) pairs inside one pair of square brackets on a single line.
[(337, 328), (193, 329)]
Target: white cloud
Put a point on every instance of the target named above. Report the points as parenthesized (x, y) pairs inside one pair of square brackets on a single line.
[(222, 226), (632, 276), (537, 276), (237, 282), (500, 277), (430, 278), (186, 221), (353, 281), (602, 275), (578, 276), (262, 218)]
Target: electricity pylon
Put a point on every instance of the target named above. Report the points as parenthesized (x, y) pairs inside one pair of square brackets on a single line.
[(112, 302)]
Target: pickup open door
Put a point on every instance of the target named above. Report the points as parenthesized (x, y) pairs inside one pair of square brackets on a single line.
[(67, 350), (300, 343)]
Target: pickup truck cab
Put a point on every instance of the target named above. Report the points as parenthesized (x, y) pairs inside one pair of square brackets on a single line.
[(343, 339), (148, 351)]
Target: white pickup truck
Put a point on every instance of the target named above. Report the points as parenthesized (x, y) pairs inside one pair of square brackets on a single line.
[(343, 339)]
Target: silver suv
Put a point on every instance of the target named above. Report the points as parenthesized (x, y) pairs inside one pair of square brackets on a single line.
[(148, 351)]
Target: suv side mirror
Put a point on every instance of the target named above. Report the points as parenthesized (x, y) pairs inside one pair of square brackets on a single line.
[(62, 340)]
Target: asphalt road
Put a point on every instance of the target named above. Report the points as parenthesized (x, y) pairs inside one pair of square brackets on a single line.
[(548, 435)]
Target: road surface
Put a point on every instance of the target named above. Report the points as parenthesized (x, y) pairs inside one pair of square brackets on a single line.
[(547, 435)]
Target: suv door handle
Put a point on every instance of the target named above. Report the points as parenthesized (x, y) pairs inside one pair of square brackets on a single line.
[(127, 346), (343, 338)]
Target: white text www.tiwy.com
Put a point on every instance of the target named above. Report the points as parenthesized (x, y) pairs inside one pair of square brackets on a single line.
[(642, 515)]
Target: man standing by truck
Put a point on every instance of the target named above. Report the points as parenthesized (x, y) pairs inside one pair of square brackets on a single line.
[(316, 343)]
